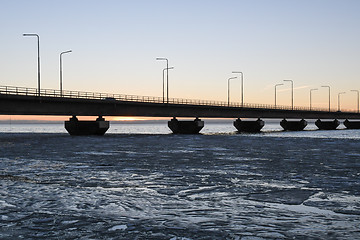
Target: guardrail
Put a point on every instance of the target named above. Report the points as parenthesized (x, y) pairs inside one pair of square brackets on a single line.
[(11, 90)]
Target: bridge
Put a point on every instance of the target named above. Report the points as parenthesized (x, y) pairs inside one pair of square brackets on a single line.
[(29, 101)]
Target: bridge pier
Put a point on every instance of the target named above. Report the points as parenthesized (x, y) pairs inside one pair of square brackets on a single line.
[(185, 127), (76, 127), (327, 125), (249, 126), (352, 124), (293, 125)]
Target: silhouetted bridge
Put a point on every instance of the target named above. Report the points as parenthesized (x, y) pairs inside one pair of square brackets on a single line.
[(28, 101)]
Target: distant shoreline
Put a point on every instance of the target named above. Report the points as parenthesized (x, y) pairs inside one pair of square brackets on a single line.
[(162, 121)]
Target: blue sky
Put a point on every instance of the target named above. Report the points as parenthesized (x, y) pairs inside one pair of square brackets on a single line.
[(115, 43)]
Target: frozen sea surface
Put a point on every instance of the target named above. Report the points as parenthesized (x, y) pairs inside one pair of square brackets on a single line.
[(273, 185)]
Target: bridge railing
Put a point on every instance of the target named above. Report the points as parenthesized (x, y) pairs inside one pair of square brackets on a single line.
[(11, 90)]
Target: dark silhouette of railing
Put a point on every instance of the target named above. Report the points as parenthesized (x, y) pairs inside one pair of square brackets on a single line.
[(11, 90)]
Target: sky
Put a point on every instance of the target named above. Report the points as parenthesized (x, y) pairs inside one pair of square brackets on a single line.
[(115, 43)]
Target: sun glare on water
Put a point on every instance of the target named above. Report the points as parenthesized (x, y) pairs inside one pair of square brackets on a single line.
[(129, 119)]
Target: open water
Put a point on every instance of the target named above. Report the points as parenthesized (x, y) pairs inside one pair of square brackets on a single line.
[(139, 181)]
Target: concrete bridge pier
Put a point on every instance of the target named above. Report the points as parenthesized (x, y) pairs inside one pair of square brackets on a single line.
[(185, 127), (327, 125), (249, 126), (352, 124), (293, 125), (76, 127)]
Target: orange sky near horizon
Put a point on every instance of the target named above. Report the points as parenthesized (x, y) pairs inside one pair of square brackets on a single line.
[(65, 118)]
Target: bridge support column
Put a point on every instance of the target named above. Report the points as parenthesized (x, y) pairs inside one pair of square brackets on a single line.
[(327, 125), (249, 126), (76, 127), (352, 124), (293, 125), (185, 127)]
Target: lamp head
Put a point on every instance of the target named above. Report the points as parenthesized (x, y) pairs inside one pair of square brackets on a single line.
[(30, 35)]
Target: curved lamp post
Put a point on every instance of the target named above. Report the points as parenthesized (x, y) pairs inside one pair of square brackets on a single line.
[(292, 93), (276, 85), (311, 90), (167, 77), (164, 82), (38, 52), (242, 87), (329, 95), (229, 89), (61, 88), (357, 91), (339, 100)]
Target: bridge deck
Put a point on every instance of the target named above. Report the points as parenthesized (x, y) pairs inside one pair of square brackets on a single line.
[(26, 101)]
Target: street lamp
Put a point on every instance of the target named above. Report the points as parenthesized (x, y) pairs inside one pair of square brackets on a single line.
[(329, 95), (38, 48), (164, 82), (167, 76), (314, 89), (292, 93), (242, 87), (339, 100), (357, 99), (276, 85), (229, 89), (61, 88)]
